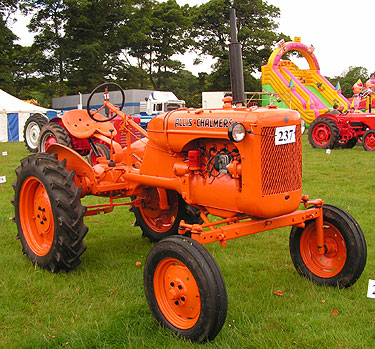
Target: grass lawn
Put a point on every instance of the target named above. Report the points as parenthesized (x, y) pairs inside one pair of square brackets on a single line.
[(102, 302)]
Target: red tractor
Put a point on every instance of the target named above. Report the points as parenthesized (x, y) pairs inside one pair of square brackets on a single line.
[(328, 131), (242, 164)]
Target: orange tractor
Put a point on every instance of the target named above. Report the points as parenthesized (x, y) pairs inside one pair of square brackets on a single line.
[(241, 164)]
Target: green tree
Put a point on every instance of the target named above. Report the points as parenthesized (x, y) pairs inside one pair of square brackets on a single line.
[(163, 31), (7, 39), (93, 42), (257, 33), (348, 78), (48, 23)]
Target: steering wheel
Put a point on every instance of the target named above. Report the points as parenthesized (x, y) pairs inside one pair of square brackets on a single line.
[(106, 96)]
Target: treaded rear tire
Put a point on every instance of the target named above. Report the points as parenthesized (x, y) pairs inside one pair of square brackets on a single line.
[(328, 136), (48, 213), (56, 131)]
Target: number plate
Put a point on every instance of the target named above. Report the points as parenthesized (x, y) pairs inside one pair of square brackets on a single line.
[(285, 135)]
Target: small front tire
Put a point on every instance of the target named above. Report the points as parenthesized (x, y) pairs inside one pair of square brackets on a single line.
[(368, 140), (185, 289), (345, 249)]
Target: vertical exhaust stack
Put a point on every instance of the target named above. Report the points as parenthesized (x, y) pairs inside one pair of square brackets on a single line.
[(235, 59)]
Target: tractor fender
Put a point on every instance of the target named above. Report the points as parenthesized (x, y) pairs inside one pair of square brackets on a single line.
[(75, 162)]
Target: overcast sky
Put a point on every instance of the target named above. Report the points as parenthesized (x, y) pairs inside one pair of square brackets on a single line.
[(342, 32)]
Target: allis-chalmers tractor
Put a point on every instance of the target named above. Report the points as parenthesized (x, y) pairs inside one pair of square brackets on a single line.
[(343, 130), (241, 164)]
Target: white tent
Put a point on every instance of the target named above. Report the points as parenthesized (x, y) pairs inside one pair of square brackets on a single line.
[(13, 115)]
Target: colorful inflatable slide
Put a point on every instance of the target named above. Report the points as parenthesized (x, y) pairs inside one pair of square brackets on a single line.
[(311, 94)]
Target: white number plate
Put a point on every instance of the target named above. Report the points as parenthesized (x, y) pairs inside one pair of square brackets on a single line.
[(285, 135)]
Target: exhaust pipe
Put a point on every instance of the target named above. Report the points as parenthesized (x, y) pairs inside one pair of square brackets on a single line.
[(235, 60)]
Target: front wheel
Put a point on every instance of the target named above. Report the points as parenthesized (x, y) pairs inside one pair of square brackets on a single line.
[(185, 289), (48, 213), (368, 140), (345, 249)]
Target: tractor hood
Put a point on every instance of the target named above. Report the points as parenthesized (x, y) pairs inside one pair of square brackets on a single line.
[(174, 130)]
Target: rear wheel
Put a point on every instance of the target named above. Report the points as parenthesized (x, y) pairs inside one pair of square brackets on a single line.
[(159, 222), (345, 249), (323, 133), (48, 213), (368, 140), (31, 131), (53, 133), (103, 151), (185, 288)]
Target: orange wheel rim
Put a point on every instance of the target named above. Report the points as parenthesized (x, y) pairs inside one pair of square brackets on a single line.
[(177, 293), (36, 216), (159, 220), (330, 263)]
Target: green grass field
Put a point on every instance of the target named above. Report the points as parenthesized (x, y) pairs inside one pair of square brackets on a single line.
[(102, 303)]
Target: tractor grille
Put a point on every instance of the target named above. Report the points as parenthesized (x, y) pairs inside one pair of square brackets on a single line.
[(281, 165)]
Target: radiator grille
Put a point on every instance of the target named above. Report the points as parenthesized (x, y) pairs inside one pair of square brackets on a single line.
[(281, 165)]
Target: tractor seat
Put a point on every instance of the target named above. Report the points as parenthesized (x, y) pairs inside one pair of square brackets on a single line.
[(80, 125)]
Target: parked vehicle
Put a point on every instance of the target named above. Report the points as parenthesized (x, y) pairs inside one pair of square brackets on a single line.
[(242, 164), (343, 130)]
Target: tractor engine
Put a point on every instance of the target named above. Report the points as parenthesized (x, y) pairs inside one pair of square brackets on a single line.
[(230, 160)]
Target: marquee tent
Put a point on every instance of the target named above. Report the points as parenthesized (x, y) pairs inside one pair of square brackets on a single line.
[(13, 115)]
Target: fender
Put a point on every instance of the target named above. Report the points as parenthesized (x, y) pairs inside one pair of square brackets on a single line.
[(84, 173)]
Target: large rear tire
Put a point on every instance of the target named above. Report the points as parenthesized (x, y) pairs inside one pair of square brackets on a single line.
[(48, 213), (185, 289), (31, 131), (345, 249), (53, 133), (323, 133), (157, 223)]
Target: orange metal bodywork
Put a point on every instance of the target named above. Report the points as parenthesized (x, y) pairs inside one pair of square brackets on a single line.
[(262, 181)]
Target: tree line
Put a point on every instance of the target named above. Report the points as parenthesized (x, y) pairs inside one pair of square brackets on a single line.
[(137, 43)]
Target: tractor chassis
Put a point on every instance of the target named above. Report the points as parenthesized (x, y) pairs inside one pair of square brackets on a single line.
[(238, 226)]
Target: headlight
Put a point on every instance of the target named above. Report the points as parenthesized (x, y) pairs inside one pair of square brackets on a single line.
[(236, 132)]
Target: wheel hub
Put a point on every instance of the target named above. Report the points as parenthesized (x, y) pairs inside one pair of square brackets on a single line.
[(333, 260), (370, 141), (177, 293), (42, 215), (37, 221), (322, 134)]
